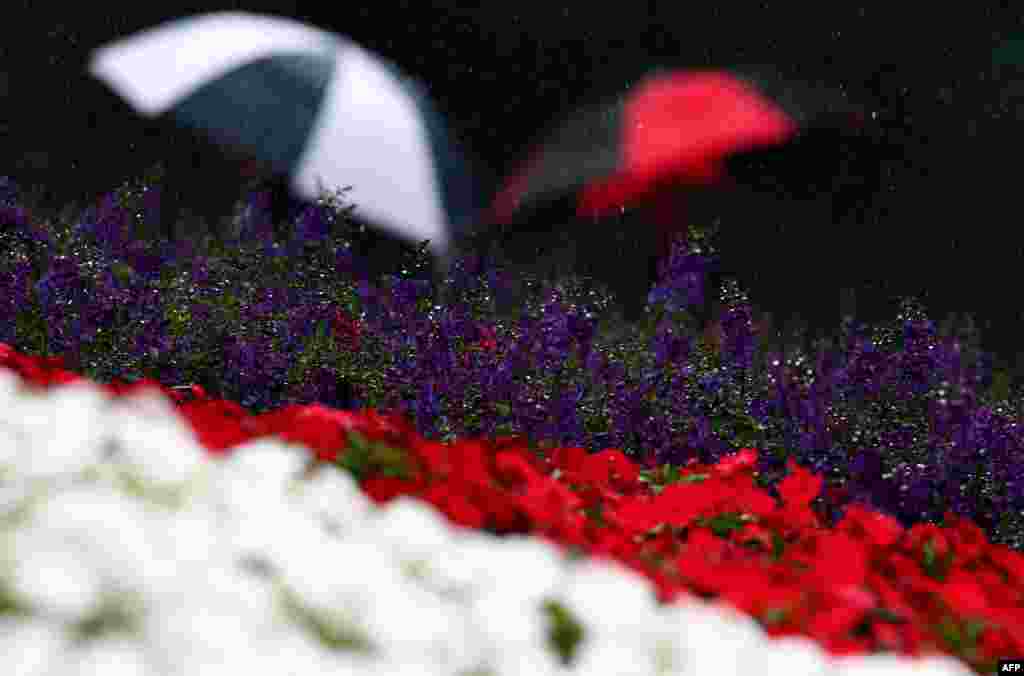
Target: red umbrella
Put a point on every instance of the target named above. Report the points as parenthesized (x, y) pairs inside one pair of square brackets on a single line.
[(649, 148)]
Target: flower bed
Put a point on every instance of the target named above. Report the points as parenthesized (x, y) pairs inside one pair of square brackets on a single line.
[(163, 539), (899, 417)]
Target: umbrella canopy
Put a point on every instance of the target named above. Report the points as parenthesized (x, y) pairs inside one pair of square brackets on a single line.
[(627, 169), (311, 105)]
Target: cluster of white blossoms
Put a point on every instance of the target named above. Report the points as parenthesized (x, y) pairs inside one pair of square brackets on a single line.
[(126, 549)]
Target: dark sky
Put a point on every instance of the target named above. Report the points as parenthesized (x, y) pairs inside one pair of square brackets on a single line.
[(944, 222)]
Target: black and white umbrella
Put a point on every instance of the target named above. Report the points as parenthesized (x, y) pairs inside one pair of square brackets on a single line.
[(313, 105)]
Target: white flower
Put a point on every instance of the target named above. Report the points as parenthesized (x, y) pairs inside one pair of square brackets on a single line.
[(537, 568), (414, 536), (509, 604), (408, 622), (411, 529), (889, 665), (621, 622), (219, 616), (31, 646), (339, 582), (53, 575), (793, 656), (56, 433), (334, 499), (297, 651), (114, 656), (246, 493), (152, 441), (255, 475), (11, 385), (465, 569), (609, 599), (718, 640), (191, 536), (111, 532)]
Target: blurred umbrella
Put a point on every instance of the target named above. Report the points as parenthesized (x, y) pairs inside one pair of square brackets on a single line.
[(305, 104), (617, 180)]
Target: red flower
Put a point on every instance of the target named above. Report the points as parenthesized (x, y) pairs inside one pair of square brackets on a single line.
[(459, 508), (323, 429), (963, 595), (930, 536), (218, 424), (835, 559), (880, 530), (347, 330), (384, 489), (610, 467), (799, 487)]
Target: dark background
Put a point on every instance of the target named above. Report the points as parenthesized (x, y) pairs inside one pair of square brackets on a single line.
[(943, 224)]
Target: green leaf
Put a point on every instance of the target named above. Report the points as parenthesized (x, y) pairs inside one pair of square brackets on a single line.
[(778, 546), (774, 616), (929, 555), (723, 524), (565, 632)]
